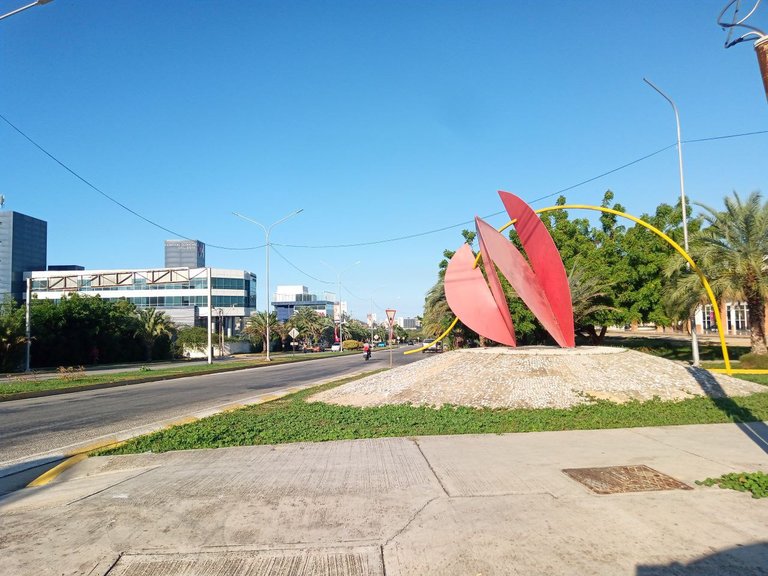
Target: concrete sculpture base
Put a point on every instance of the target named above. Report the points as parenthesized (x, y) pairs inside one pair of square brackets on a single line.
[(535, 377)]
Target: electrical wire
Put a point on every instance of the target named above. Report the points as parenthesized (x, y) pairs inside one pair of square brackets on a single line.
[(539, 199), (110, 198), (292, 265), (359, 244)]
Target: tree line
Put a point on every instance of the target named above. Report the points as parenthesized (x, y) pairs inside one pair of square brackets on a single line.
[(627, 275), (86, 330), (314, 329), (81, 330)]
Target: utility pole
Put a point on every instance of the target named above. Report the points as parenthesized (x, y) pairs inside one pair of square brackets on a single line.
[(28, 331)]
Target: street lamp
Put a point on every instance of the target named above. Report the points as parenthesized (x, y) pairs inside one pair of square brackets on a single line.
[(267, 230), (12, 12), (694, 337), (338, 287)]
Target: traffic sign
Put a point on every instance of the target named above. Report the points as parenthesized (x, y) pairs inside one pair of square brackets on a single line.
[(391, 316), (293, 333)]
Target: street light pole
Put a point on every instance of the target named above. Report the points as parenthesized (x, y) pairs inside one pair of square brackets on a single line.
[(267, 231), (30, 5), (694, 336)]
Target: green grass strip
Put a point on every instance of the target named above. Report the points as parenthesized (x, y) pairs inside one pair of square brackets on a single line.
[(754, 482), (293, 419)]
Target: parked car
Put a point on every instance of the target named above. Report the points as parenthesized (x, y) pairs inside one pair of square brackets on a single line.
[(335, 347)]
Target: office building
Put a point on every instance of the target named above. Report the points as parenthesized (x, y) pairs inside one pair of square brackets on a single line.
[(23, 246), (184, 254), (182, 293), (288, 298)]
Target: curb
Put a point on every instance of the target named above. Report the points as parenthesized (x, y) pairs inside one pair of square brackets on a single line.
[(82, 453)]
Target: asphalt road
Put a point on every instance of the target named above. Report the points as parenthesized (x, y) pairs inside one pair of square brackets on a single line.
[(40, 430)]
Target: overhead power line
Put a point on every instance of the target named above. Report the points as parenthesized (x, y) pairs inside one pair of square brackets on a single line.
[(110, 198), (358, 244), (297, 268)]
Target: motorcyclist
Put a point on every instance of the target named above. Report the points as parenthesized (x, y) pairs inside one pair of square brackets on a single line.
[(367, 350)]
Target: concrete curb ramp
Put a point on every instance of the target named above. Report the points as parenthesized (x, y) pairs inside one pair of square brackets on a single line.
[(480, 504)]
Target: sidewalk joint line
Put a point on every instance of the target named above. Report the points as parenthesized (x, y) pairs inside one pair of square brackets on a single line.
[(410, 520), (111, 486), (415, 441)]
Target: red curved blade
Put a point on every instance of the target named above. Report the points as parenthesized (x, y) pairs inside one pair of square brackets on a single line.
[(471, 300), (545, 260), (497, 249)]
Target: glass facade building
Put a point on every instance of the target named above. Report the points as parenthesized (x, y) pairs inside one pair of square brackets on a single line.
[(182, 293), (23, 247)]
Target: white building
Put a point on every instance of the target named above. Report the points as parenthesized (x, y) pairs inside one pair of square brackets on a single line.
[(408, 323), (182, 293)]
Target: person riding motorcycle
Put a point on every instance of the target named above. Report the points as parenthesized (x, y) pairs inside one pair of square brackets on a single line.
[(367, 351)]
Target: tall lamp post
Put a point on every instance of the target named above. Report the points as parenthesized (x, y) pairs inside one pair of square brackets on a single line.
[(694, 337), (338, 287), (27, 317), (30, 5), (267, 230)]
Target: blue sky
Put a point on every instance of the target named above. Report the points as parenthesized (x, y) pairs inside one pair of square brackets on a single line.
[(381, 119)]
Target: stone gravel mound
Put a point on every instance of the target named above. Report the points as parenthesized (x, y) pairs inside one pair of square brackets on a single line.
[(535, 377)]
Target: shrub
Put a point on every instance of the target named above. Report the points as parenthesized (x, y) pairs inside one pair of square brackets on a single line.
[(756, 361), (352, 345), (70, 372)]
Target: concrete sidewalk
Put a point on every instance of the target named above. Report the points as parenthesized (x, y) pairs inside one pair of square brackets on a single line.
[(459, 505)]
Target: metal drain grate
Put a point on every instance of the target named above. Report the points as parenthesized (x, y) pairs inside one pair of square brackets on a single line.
[(619, 479)]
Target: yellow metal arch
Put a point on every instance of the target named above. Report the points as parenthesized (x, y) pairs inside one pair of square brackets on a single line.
[(653, 229)]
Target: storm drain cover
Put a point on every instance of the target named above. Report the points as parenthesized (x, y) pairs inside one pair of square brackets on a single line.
[(354, 561), (618, 479)]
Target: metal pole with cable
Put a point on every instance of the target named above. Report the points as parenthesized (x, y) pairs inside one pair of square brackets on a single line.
[(28, 329), (267, 230), (209, 279), (694, 336), (30, 5)]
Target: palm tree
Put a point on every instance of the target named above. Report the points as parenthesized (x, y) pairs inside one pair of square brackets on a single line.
[(151, 325), (589, 297), (257, 326), (309, 323), (12, 333), (732, 253)]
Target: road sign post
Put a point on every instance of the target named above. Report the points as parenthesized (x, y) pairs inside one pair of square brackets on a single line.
[(293, 333), (391, 317)]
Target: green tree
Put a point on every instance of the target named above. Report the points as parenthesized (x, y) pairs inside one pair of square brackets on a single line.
[(82, 329), (309, 323), (732, 252), (191, 338), (151, 326), (12, 334), (256, 328)]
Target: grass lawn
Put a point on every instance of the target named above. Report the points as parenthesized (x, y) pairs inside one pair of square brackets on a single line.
[(293, 419), (78, 378), (675, 349)]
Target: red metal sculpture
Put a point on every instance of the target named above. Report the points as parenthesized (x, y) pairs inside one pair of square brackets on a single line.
[(542, 285)]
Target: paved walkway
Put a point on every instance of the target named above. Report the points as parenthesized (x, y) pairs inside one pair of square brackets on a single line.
[(460, 505)]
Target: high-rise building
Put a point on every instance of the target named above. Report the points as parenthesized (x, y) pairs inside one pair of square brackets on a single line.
[(23, 247), (184, 254)]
